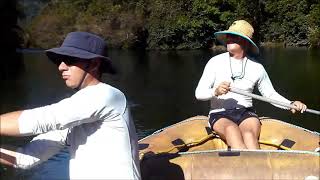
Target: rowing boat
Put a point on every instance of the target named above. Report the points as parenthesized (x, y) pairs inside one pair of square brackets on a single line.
[(190, 150)]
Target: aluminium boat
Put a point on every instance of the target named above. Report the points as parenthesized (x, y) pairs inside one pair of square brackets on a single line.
[(191, 150)]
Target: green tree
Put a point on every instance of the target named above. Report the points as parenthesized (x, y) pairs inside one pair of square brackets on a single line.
[(177, 24), (314, 26), (287, 21)]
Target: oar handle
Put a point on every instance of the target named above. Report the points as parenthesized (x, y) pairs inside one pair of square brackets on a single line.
[(242, 92)]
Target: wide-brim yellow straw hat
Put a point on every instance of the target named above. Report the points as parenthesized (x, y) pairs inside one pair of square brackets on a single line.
[(239, 28)]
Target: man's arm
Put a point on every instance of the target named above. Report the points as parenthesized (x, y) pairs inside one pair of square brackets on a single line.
[(86, 106), (38, 150), (9, 124)]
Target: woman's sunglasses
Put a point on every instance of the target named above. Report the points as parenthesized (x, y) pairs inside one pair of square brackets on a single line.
[(233, 38)]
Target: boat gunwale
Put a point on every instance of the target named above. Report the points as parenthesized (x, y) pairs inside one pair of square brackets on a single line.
[(250, 150), (229, 152)]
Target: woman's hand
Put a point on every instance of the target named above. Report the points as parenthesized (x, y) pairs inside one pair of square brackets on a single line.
[(299, 106), (223, 88)]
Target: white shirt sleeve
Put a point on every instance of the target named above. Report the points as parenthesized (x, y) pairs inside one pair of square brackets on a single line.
[(205, 89), (40, 148), (87, 105), (266, 89)]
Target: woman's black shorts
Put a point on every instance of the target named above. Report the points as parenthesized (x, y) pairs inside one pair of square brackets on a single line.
[(235, 115)]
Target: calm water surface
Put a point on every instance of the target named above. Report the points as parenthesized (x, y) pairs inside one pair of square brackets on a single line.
[(160, 85)]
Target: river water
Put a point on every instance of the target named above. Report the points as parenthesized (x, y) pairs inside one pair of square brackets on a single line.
[(160, 85)]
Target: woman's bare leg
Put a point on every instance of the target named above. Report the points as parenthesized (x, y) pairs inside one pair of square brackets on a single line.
[(230, 132), (250, 130)]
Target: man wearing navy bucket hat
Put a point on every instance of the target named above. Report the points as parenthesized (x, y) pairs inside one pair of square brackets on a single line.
[(94, 123), (231, 115)]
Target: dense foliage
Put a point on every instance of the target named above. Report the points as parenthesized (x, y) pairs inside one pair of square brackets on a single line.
[(176, 24)]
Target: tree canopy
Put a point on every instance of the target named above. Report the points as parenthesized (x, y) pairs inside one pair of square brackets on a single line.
[(176, 24)]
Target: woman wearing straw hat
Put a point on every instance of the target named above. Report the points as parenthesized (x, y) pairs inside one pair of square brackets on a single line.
[(231, 115), (94, 124)]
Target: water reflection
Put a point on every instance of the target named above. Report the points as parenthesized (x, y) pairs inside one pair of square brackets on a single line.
[(160, 85), (11, 63)]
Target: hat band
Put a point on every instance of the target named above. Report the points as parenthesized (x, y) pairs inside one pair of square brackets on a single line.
[(248, 34), (77, 47)]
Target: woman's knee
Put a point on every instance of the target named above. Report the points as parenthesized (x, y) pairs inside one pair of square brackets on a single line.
[(250, 127), (249, 134), (231, 129), (250, 139)]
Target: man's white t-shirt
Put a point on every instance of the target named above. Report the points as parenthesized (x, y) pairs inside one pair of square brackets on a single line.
[(95, 124)]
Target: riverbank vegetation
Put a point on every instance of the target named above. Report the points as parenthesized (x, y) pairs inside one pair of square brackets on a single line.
[(176, 24)]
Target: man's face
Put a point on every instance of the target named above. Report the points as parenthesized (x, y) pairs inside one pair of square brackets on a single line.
[(72, 71)]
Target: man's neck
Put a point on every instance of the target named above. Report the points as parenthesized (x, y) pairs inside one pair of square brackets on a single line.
[(93, 82), (89, 81)]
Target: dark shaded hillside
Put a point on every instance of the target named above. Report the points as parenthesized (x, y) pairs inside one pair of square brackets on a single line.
[(176, 24)]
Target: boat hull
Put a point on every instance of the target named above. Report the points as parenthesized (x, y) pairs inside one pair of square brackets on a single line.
[(189, 150), (231, 165)]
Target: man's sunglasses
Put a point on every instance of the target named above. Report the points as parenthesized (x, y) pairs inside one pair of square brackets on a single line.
[(67, 60)]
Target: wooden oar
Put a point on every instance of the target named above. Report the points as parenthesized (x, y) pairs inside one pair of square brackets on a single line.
[(242, 92)]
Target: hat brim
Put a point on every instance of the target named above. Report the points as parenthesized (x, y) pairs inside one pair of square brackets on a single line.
[(221, 37), (55, 53)]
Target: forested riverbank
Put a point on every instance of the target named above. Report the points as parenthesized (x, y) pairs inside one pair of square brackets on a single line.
[(174, 24)]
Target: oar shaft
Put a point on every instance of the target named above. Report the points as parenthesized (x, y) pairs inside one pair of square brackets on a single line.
[(313, 111), (242, 92)]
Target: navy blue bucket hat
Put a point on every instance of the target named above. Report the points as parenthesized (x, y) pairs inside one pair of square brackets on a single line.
[(84, 46)]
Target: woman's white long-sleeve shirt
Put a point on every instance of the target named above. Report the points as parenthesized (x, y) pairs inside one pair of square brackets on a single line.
[(101, 135), (221, 68)]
